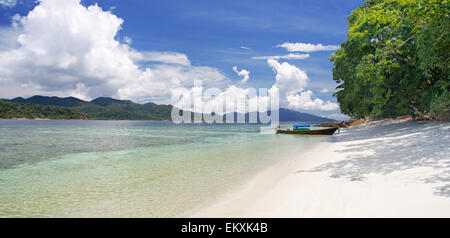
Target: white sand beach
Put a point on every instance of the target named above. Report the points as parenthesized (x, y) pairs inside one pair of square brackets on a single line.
[(379, 169)]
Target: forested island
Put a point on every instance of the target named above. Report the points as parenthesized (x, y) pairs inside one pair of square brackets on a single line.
[(102, 108), (35, 111), (395, 61), (106, 108)]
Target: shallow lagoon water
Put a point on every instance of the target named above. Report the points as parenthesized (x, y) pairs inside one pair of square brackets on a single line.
[(130, 168)]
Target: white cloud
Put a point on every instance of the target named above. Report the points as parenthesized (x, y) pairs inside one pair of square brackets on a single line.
[(68, 49), (289, 79), (291, 82), (245, 48), (8, 3), (303, 101), (338, 116), (325, 90), (245, 74), (277, 57), (127, 40), (8, 37), (235, 98), (164, 57), (307, 47), (161, 79)]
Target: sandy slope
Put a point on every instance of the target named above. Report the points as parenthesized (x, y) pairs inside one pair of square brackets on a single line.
[(380, 169)]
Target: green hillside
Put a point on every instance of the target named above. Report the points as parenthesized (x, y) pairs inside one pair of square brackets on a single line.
[(103, 108), (126, 111), (33, 111)]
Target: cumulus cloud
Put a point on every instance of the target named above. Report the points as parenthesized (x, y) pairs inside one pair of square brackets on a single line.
[(307, 47), (304, 101), (289, 79), (232, 99), (197, 100), (8, 3), (66, 47), (288, 56), (291, 82), (160, 80), (245, 74)]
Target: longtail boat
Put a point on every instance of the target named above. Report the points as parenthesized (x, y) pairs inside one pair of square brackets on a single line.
[(306, 130)]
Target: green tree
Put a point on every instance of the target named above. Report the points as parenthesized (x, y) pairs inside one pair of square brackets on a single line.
[(32, 111), (395, 60)]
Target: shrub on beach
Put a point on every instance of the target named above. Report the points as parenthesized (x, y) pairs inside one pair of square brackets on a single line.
[(440, 107)]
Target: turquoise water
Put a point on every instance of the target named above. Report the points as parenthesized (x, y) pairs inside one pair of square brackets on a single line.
[(130, 168)]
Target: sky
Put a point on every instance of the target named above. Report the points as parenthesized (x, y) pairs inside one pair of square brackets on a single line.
[(144, 50)]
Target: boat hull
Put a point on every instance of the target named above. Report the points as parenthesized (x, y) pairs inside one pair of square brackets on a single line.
[(327, 131)]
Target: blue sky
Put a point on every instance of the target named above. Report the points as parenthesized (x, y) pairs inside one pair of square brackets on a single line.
[(223, 34), (212, 32)]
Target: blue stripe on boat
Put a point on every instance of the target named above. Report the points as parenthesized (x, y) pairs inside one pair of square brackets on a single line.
[(305, 125)]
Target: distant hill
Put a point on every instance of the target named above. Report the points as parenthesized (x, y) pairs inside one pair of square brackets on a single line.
[(105, 108), (55, 101), (105, 101), (286, 115), (290, 115), (33, 111), (108, 108)]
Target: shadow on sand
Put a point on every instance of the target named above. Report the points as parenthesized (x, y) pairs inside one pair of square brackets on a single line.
[(395, 146)]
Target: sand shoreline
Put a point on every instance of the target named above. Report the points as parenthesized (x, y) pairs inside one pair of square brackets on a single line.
[(379, 169)]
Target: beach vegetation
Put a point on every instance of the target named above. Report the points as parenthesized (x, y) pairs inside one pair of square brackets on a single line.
[(395, 61)]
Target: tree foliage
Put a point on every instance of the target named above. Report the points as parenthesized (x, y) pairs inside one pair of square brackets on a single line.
[(395, 60), (33, 111), (126, 111)]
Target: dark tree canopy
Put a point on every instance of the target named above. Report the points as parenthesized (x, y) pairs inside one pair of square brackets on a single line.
[(31, 111), (395, 60)]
